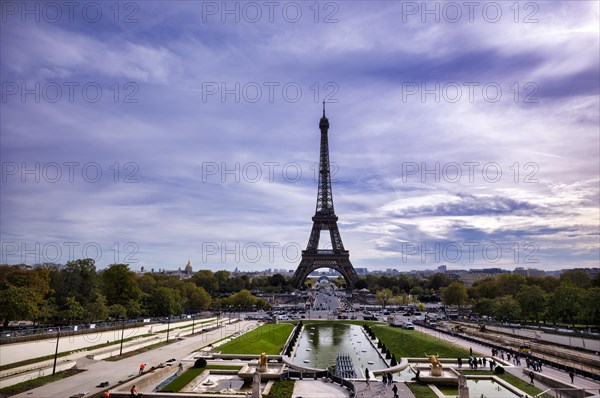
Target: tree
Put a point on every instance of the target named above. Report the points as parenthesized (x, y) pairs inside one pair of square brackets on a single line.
[(18, 303), (164, 301), (117, 311), (486, 288), (532, 301), (47, 309), (591, 311), (577, 277), (383, 297), (484, 306), (507, 308), (565, 303), (242, 299), (72, 310), (277, 280), (510, 284), (78, 279), (195, 298), (119, 285), (223, 278), (405, 283), (455, 294), (263, 304), (97, 310), (438, 281), (361, 284), (207, 280)]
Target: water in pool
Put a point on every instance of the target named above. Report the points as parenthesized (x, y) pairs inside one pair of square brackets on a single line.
[(321, 343)]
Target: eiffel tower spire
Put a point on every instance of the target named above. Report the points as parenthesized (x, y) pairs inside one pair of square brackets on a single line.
[(325, 219)]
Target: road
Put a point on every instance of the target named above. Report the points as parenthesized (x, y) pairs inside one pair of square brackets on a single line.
[(113, 372), (11, 353)]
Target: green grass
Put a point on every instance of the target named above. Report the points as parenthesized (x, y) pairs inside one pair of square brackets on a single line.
[(281, 389), (268, 338), (448, 390), (35, 383), (522, 385), (421, 390), (183, 380), (186, 377), (414, 344), (224, 367)]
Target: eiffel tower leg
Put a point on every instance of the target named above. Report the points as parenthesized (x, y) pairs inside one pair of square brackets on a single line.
[(301, 273)]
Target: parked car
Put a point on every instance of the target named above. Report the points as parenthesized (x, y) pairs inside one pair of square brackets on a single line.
[(408, 326)]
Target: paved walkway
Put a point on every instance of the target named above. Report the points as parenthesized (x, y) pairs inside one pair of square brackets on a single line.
[(114, 372), (378, 390), (318, 389)]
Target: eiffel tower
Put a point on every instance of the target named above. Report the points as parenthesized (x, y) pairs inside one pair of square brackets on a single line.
[(325, 219)]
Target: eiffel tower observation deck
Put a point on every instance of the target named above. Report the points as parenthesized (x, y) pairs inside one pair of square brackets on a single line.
[(337, 257)]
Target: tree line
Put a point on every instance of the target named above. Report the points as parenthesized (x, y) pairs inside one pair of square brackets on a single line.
[(77, 291), (572, 298)]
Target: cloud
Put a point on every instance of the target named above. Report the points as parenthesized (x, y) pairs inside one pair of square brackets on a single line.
[(195, 154)]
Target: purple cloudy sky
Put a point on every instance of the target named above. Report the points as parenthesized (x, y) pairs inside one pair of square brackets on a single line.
[(463, 133)]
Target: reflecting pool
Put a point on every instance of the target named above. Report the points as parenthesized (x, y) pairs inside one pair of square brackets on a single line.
[(321, 343)]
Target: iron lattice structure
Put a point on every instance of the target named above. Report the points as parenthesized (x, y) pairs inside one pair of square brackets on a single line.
[(337, 257)]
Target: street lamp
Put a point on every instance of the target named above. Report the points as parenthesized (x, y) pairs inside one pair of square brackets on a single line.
[(122, 335), (56, 351), (168, 327)]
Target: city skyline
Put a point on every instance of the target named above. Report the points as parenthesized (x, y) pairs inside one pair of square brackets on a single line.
[(161, 132)]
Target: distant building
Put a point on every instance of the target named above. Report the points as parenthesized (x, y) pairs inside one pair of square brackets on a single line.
[(529, 272), (470, 278), (442, 269), (188, 268)]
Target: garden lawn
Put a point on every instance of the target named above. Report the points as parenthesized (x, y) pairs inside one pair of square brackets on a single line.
[(413, 344), (186, 377), (421, 390), (268, 338), (281, 389), (183, 380)]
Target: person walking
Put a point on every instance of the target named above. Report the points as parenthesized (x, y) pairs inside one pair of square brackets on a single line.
[(572, 376), (133, 391), (470, 351), (368, 377), (395, 390), (531, 376)]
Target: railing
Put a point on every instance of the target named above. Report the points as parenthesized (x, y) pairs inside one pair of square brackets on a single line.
[(22, 335), (546, 362)]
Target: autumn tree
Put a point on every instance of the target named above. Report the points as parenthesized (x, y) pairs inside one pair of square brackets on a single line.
[(383, 297), (455, 294)]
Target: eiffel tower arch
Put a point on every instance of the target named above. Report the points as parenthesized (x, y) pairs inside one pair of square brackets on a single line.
[(337, 257)]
